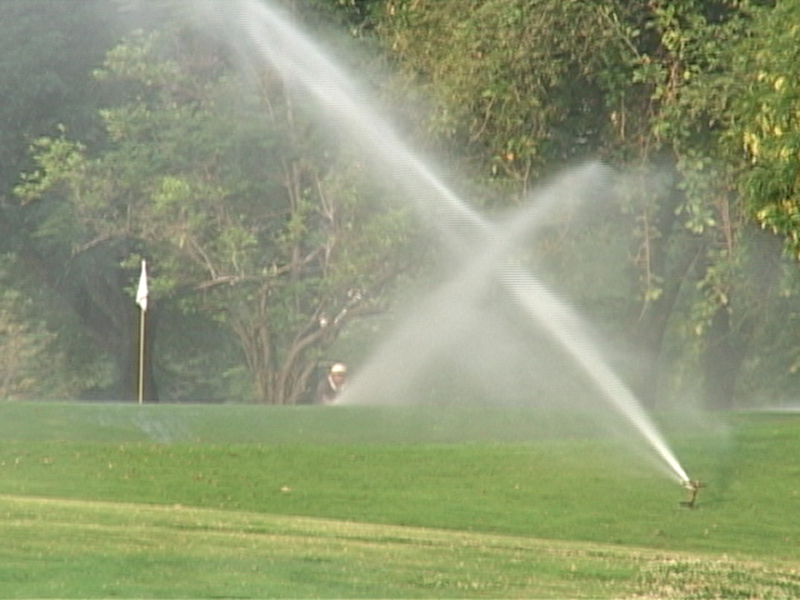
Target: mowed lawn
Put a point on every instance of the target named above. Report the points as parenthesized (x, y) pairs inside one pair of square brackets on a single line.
[(243, 501)]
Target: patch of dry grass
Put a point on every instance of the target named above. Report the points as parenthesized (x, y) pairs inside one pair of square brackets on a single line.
[(704, 578)]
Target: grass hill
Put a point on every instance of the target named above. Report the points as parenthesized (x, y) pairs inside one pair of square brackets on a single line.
[(246, 501)]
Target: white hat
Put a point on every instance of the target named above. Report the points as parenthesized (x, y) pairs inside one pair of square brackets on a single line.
[(338, 368)]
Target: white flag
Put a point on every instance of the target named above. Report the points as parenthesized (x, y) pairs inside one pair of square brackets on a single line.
[(141, 292)]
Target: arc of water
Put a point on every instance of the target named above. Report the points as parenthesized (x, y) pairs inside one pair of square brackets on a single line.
[(447, 308), (297, 58), (564, 325)]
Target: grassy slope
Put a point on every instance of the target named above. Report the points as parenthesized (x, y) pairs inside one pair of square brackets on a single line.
[(143, 551), (500, 472)]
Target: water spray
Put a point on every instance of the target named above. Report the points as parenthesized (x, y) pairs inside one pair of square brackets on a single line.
[(294, 54)]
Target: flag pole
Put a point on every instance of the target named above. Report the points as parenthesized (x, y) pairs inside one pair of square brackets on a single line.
[(141, 300), (141, 356)]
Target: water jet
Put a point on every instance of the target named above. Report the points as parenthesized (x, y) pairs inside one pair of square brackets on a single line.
[(277, 40)]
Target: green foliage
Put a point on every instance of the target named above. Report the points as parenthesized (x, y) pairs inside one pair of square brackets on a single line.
[(767, 123), (260, 227), (22, 346), (520, 88), (518, 85), (28, 341), (47, 51), (662, 90), (238, 200)]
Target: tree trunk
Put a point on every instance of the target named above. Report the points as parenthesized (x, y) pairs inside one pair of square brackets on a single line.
[(93, 285), (667, 265), (725, 350), (652, 324)]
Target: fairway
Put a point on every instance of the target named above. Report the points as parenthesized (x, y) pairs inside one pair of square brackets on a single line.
[(244, 501)]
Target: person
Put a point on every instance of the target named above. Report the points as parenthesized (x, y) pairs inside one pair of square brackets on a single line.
[(330, 386)]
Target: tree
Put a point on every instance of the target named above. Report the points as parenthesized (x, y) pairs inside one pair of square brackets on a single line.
[(48, 52), (521, 88), (757, 110), (692, 241), (21, 346), (518, 86), (245, 211), (765, 122)]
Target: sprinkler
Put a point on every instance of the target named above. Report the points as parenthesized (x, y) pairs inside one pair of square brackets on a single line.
[(694, 488)]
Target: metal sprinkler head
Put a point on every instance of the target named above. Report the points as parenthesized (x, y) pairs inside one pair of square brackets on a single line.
[(694, 488)]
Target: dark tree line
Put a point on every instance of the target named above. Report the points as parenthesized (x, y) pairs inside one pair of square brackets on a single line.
[(130, 131)]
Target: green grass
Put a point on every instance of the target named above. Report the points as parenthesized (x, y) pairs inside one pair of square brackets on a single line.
[(243, 501)]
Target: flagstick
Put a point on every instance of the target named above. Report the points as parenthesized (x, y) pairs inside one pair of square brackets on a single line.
[(141, 300), (141, 356)]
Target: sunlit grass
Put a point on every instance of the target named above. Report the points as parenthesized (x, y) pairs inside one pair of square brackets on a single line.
[(95, 504), (55, 548)]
